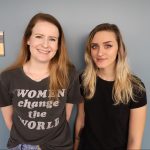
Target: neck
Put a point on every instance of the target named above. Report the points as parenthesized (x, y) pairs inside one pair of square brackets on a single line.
[(36, 71), (108, 75), (37, 67)]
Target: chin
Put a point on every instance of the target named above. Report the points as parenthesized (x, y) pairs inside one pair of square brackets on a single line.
[(100, 66), (44, 61)]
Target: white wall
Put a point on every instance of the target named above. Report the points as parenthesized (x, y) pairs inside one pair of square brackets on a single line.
[(78, 18)]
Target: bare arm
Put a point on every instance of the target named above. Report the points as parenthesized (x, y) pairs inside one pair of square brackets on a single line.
[(7, 113), (69, 107), (136, 127), (79, 125)]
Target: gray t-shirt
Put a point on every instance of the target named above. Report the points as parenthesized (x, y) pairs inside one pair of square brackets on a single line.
[(36, 119)]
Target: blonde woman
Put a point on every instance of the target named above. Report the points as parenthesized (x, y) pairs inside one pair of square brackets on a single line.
[(38, 92), (114, 112)]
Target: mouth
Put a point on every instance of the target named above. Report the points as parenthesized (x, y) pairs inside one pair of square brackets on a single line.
[(100, 59), (43, 51)]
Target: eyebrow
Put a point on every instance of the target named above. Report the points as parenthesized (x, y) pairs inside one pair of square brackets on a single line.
[(95, 43), (103, 42), (107, 42), (43, 35)]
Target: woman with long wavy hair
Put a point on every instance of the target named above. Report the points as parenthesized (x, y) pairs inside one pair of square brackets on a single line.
[(37, 93), (114, 111)]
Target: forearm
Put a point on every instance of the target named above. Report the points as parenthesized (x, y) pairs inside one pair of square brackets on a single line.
[(69, 108), (9, 125), (134, 144), (7, 113), (136, 128), (76, 144), (78, 130), (79, 125)]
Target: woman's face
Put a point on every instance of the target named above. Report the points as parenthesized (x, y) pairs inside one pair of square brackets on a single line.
[(43, 42), (104, 49)]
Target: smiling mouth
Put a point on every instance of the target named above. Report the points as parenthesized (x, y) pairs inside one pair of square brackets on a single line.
[(44, 51)]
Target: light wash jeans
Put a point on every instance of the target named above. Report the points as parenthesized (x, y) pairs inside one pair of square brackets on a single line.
[(25, 147)]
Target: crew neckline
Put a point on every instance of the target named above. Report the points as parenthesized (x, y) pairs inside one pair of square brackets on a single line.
[(106, 81)]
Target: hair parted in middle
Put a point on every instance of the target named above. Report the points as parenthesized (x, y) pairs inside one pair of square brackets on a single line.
[(59, 65), (124, 80)]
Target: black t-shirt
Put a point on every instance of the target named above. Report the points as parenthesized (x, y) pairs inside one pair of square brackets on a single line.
[(106, 124), (36, 119)]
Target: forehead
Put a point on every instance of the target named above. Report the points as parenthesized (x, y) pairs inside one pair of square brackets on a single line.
[(103, 36), (45, 27)]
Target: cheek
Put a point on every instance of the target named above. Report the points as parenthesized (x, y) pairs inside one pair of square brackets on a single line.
[(32, 43), (54, 52), (114, 54), (113, 59), (55, 46), (93, 54), (92, 58)]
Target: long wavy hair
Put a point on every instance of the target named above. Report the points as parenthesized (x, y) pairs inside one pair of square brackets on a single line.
[(124, 80), (59, 66)]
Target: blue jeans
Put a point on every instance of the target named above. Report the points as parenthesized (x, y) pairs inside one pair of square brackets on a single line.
[(25, 147)]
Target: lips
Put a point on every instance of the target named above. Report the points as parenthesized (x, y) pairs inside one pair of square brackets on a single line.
[(100, 59), (44, 51)]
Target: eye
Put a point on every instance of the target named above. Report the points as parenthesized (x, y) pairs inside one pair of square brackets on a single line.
[(52, 39), (94, 46), (107, 46), (38, 36)]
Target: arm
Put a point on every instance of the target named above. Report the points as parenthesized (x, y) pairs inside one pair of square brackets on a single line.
[(7, 113), (69, 107), (136, 127), (79, 124)]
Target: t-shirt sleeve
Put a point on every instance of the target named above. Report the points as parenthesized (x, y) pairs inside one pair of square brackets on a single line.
[(140, 99), (5, 98), (74, 95)]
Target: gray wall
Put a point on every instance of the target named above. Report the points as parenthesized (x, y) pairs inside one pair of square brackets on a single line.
[(78, 17)]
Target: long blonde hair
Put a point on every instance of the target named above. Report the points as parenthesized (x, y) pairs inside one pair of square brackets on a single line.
[(59, 65), (124, 81)]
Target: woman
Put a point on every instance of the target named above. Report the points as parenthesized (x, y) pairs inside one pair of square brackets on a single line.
[(38, 92), (115, 99)]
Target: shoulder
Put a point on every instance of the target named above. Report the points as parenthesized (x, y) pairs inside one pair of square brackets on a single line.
[(10, 73), (135, 78), (140, 98), (73, 73), (72, 69), (7, 75), (137, 83)]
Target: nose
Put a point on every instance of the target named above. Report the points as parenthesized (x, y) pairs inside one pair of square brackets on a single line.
[(45, 42), (100, 51)]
